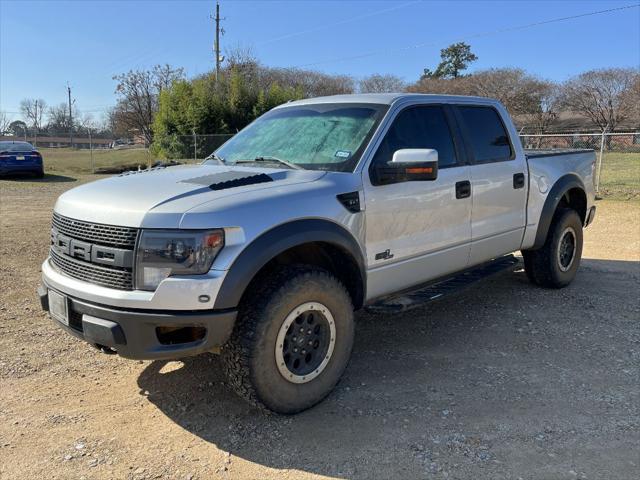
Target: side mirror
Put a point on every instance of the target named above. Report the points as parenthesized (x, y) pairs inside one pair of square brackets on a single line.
[(409, 165)]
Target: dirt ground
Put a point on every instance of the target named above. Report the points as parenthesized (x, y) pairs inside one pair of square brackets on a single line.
[(503, 381)]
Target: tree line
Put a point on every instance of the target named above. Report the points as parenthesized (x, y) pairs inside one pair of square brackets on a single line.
[(246, 89), (163, 108)]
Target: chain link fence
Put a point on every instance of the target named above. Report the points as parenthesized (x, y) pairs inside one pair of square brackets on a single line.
[(617, 173), (198, 147), (107, 155)]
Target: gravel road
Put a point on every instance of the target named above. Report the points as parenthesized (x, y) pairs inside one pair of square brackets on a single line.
[(503, 381)]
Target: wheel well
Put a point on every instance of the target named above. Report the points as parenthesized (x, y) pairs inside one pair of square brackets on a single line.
[(576, 199), (324, 255)]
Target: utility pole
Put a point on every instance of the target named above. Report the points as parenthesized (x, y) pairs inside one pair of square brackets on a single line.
[(216, 45), (195, 146), (70, 118), (91, 150), (35, 123)]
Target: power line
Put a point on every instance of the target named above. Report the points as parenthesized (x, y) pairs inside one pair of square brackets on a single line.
[(476, 35)]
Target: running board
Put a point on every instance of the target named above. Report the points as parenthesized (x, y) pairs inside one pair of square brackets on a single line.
[(435, 291)]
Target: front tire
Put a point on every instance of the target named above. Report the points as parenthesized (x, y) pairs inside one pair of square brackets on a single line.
[(292, 339), (556, 263)]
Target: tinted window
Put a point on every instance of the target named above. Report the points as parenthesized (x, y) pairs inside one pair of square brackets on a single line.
[(15, 147), (486, 133), (419, 127)]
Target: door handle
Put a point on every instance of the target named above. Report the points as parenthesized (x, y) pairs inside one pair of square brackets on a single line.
[(518, 180), (463, 189)]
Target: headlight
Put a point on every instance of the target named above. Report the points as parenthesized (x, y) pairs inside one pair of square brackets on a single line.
[(175, 252)]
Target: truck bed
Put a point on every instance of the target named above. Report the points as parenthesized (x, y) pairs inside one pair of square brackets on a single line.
[(554, 152)]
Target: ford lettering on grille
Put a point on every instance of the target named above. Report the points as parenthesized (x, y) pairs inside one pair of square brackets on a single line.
[(96, 253)]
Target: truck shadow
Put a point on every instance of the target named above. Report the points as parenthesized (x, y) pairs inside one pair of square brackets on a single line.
[(48, 178), (473, 362)]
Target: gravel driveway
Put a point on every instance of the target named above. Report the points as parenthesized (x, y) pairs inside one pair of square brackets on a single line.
[(503, 381)]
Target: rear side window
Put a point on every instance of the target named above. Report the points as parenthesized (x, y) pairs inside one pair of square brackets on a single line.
[(418, 127), (16, 147), (486, 132)]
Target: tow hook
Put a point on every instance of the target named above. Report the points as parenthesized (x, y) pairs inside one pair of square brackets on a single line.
[(105, 349)]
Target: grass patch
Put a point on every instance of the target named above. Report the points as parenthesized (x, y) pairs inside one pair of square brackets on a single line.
[(67, 160), (620, 176)]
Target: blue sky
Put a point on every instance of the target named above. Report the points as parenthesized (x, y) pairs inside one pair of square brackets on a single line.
[(44, 44)]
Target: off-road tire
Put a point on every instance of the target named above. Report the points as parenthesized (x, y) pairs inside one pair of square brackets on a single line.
[(249, 355), (543, 266)]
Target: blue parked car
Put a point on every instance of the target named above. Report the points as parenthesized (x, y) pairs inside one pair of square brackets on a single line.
[(20, 158)]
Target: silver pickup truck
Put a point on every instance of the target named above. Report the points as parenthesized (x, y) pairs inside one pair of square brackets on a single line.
[(318, 208)]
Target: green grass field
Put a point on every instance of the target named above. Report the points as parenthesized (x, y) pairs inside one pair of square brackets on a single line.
[(66, 160), (620, 176)]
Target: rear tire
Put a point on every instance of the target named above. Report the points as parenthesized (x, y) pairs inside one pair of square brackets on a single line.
[(556, 263), (301, 308)]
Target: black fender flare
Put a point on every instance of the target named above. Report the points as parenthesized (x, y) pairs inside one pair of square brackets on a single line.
[(277, 240), (562, 186)]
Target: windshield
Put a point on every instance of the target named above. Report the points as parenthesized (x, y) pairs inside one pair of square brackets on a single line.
[(15, 146), (315, 137)]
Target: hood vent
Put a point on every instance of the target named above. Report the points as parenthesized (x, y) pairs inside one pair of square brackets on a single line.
[(225, 180)]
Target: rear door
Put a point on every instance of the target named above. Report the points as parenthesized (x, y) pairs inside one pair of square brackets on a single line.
[(498, 183), (419, 230)]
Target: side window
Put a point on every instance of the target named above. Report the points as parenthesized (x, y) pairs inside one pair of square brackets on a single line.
[(486, 132), (418, 127)]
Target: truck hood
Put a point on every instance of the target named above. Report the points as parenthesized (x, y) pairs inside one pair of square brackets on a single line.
[(158, 198)]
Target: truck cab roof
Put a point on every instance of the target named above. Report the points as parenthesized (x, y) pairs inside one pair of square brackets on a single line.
[(391, 98)]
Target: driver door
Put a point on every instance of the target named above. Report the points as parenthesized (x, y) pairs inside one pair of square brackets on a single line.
[(418, 230)]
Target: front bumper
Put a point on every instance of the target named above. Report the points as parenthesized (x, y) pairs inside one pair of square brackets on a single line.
[(141, 334), (179, 293)]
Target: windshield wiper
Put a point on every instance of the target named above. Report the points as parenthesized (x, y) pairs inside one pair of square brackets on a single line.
[(272, 159), (216, 157)]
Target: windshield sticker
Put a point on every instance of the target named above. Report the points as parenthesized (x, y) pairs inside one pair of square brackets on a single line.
[(343, 154)]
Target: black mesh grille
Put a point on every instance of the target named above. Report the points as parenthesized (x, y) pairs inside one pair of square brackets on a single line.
[(110, 235), (89, 272)]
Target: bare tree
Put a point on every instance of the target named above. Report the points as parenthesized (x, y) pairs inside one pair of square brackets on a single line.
[(310, 83), (86, 121), (58, 118), (377, 83), (606, 97), (548, 107), (114, 123), (5, 121), (520, 92), (33, 110), (138, 92), (241, 57), (165, 75), (445, 86)]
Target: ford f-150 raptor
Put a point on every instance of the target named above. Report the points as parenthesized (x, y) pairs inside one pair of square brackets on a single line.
[(318, 208)]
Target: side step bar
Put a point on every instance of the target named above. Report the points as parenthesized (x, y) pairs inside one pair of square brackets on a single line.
[(438, 289)]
